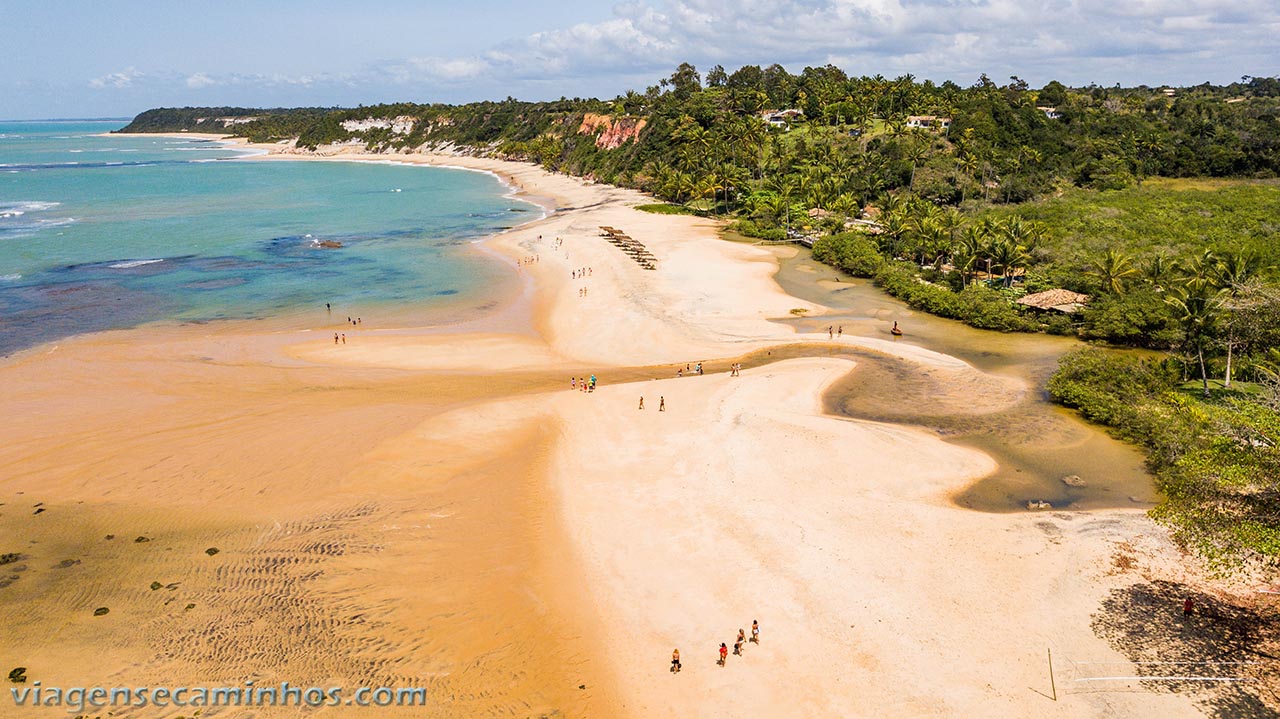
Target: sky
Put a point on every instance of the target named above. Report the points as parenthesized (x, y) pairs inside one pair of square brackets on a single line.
[(116, 58)]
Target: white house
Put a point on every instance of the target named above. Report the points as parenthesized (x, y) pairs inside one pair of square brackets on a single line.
[(929, 122), (781, 118)]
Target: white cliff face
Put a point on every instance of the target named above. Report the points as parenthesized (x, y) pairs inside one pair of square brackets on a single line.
[(402, 125)]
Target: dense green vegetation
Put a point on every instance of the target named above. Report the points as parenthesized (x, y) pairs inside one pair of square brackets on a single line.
[(1162, 205), (1216, 460), (665, 208)]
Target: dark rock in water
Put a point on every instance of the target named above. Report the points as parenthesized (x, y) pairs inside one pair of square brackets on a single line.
[(155, 586), (211, 551), (140, 540), (1073, 480), (10, 558), (110, 537), (190, 607), (101, 611), (66, 563), (38, 511), (18, 675), (329, 244), (1038, 504), (6, 581)]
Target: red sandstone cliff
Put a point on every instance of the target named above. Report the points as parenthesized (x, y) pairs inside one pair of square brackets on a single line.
[(612, 133)]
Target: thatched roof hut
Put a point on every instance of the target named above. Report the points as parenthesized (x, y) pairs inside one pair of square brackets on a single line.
[(1056, 300)]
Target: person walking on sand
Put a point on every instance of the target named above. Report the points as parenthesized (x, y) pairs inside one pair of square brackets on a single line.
[(573, 383), (1188, 606), (662, 404), (641, 402), (675, 661), (724, 654), (830, 335), (737, 645), (344, 339), (335, 338), (840, 331), (755, 632)]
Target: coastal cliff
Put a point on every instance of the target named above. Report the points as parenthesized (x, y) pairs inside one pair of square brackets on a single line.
[(610, 133)]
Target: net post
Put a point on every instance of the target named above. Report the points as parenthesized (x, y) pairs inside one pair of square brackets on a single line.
[(1052, 684)]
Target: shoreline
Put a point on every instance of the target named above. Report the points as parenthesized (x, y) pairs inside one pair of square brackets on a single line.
[(507, 541)]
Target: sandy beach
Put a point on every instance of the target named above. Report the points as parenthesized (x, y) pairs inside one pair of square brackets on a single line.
[(435, 507)]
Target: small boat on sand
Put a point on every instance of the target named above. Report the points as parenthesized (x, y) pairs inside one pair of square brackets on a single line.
[(895, 331)]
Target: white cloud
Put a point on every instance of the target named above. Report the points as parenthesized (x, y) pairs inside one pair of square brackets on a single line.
[(200, 80), (1076, 41), (116, 79)]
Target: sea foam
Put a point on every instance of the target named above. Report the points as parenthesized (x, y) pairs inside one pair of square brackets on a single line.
[(130, 264)]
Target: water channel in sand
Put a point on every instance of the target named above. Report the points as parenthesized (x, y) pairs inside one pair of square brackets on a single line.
[(1036, 443)]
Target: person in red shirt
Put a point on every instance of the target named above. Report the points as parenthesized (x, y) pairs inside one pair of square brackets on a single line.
[(724, 653)]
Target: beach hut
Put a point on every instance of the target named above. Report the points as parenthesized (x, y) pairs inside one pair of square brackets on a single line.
[(1059, 300)]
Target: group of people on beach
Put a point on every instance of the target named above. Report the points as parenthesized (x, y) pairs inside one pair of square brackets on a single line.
[(529, 260), (341, 337), (581, 384), (738, 646), (839, 331), (697, 369)]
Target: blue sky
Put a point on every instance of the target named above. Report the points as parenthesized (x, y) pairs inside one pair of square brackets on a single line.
[(60, 58)]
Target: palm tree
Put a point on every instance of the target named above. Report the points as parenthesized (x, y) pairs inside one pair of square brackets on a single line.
[(1112, 269), (916, 152), (1235, 270), (896, 225), (1196, 305), (846, 205), (1159, 269), (1008, 256), (969, 249)]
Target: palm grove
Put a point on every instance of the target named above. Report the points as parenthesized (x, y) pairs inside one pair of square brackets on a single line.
[(1159, 204)]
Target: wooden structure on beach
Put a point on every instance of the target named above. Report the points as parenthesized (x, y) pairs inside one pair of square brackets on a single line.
[(633, 248)]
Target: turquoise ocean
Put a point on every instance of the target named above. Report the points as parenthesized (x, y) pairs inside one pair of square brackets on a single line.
[(112, 232)]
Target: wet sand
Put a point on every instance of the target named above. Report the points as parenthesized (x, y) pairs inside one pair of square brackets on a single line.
[(433, 507), (1036, 443)]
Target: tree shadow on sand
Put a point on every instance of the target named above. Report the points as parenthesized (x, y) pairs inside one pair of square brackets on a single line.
[(1145, 623)]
